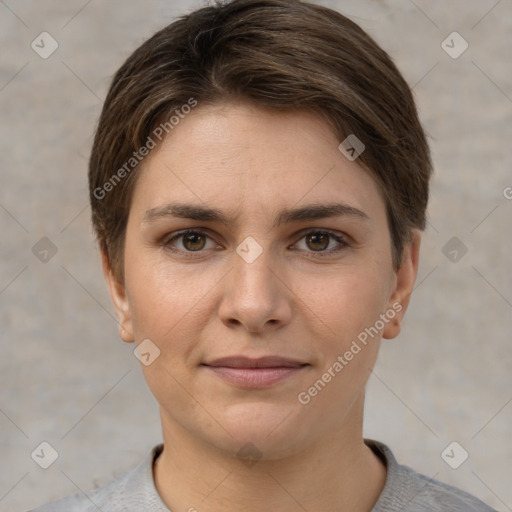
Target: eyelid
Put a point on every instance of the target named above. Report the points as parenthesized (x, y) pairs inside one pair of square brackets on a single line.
[(167, 239), (341, 238)]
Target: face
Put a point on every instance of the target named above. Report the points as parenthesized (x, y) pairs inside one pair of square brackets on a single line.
[(232, 252)]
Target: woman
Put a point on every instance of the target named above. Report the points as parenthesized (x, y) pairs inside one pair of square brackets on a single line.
[(258, 184)]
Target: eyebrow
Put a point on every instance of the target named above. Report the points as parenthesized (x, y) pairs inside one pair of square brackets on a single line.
[(206, 214)]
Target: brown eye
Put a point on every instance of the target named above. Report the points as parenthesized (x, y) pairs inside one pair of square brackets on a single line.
[(318, 241), (193, 241), (188, 242)]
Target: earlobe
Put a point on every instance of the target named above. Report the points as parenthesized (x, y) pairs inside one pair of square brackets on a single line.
[(119, 300), (405, 279)]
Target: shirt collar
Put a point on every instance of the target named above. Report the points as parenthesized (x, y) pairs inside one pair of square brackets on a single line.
[(140, 481)]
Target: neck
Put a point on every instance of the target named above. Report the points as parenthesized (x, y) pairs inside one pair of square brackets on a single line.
[(337, 472)]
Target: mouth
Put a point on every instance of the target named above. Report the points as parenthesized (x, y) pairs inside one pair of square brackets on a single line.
[(255, 373)]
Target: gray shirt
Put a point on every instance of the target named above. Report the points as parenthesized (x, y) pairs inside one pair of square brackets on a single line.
[(404, 491)]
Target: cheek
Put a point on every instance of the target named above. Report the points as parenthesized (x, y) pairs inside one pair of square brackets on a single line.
[(169, 303), (348, 307), (346, 302)]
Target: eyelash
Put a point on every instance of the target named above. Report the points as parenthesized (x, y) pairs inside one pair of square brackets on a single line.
[(166, 242)]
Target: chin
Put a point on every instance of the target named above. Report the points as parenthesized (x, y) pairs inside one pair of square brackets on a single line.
[(272, 427)]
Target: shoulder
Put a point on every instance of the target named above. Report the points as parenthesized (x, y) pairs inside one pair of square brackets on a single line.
[(409, 491), (125, 492), (102, 498)]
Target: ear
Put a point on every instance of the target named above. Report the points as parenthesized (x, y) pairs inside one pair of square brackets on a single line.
[(404, 283), (119, 300)]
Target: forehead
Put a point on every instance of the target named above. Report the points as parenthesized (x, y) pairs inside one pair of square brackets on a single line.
[(245, 158)]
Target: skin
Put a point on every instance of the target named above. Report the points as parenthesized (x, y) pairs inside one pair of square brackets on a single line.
[(251, 163)]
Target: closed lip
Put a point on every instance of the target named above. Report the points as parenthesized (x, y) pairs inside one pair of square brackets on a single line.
[(261, 362)]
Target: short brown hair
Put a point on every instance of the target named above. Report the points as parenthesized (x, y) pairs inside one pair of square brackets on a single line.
[(279, 54)]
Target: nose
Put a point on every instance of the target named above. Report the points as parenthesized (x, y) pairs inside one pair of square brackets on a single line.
[(255, 296)]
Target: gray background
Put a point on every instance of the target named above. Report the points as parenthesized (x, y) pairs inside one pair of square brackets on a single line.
[(66, 378)]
